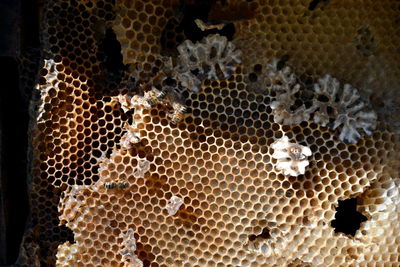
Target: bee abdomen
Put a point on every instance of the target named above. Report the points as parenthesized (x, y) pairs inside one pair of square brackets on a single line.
[(178, 115), (116, 185), (157, 98)]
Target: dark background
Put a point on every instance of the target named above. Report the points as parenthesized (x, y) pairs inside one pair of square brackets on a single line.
[(19, 35)]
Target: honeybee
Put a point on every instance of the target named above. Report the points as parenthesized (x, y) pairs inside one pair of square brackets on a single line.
[(156, 96), (116, 185), (179, 113)]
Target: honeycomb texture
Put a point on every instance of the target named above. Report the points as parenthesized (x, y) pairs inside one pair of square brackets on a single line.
[(225, 176), (237, 209), (139, 26)]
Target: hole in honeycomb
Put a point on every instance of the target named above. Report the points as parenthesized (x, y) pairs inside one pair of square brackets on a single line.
[(111, 49), (228, 31), (282, 62), (265, 234), (347, 218), (315, 3), (198, 9)]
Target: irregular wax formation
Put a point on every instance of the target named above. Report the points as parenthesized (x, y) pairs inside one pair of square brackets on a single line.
[(208, 26), (67, 254), (128, 103), (277, 240), (214, 57), (70, 206), (174, 204), (283, 111), (292, 158), (131, 137), (51, 81), (127, 249), (279, 78), (352, 116), (382, 203), (326, 90), (142, 167), (284, 82), (344, 108), (332, 105)]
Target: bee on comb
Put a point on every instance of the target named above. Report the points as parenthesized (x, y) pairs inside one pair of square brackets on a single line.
[(156, 96), (178, 114), (116, 185)]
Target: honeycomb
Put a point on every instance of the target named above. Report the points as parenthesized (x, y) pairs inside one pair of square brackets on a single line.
[(235, 208)]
